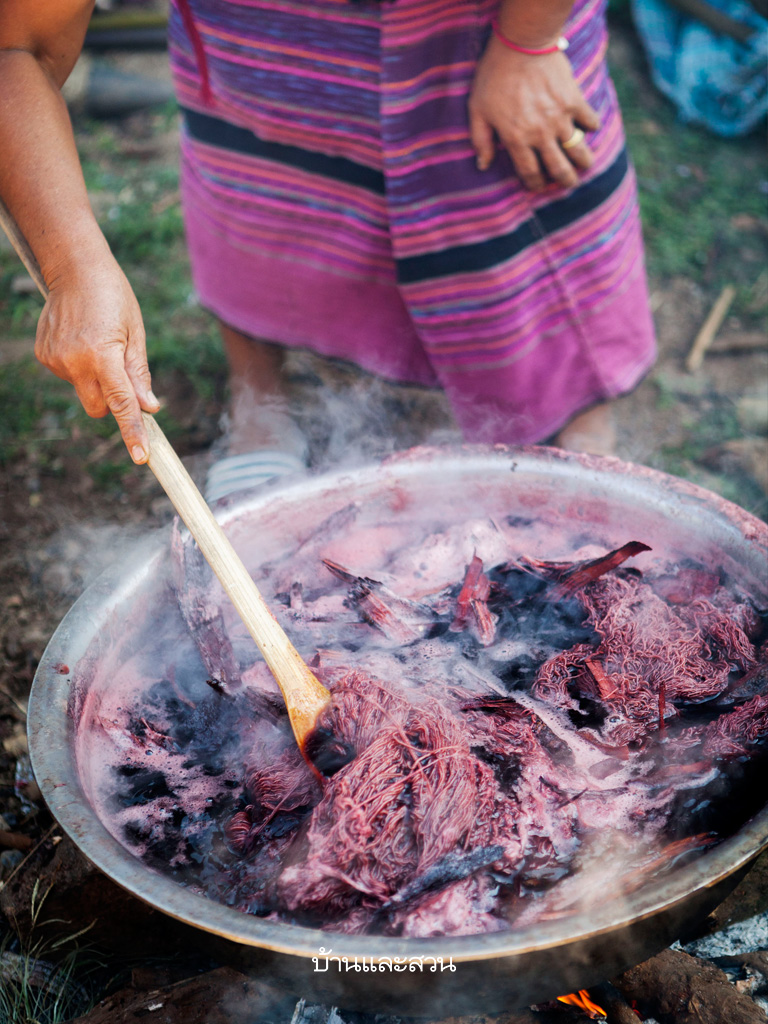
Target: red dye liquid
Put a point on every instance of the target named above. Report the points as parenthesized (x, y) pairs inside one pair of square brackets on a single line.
[(500, 748)]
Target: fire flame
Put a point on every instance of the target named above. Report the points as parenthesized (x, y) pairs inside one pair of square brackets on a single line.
[(582, 1000)]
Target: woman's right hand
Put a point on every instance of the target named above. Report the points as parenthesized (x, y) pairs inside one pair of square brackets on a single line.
[(91, 334), (533, 105)]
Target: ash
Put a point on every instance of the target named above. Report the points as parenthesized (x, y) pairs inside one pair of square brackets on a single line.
[(733, 940)]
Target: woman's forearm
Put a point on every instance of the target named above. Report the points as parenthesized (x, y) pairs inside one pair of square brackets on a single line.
[(40, 177), (90, 331)]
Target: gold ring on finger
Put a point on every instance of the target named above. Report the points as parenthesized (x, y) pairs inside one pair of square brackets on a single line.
[(575, 139)]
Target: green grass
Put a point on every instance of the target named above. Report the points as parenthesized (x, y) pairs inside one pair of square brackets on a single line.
[(705, 429), (146, 234), (39, 409), (33, 991), (682, 462), (702, 198), (703, 202), (141, 218), (46, 982)]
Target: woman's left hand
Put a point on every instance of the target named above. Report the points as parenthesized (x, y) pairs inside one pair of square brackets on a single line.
[(534, 106)]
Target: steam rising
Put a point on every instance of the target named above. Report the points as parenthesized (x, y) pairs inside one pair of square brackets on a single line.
[(166, 751), (350, 417)]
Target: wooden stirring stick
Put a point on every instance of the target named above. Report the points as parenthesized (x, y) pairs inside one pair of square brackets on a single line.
[(305, 696)]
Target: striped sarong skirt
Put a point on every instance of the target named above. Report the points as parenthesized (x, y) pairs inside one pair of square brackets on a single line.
[(332, 201)]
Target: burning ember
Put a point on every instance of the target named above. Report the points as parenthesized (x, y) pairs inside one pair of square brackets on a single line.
[(582, 1000), (509, 738)]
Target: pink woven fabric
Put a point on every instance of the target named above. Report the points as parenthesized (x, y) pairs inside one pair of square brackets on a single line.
[(332, 201)]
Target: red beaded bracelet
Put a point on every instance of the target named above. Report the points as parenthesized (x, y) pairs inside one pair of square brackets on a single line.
[(559, 46)]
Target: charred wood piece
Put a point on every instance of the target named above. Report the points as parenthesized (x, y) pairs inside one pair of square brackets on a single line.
[(397, 618)]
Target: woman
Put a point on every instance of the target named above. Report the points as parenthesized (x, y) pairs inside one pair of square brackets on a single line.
[(399, 184)]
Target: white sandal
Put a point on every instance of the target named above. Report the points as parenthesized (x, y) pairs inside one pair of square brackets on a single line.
[(251, 469)]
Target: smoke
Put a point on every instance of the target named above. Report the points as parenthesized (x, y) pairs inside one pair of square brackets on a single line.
[(368, 419), (63, 565), (337, 415)]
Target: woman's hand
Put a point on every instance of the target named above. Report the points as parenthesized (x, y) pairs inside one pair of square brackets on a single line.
[(533, 105), (91, 334)]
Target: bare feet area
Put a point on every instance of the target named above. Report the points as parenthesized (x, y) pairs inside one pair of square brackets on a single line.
[(592, 431), (72, 504)]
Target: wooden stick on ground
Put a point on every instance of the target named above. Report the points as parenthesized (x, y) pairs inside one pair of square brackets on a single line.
[(740, 341), (709, 328)]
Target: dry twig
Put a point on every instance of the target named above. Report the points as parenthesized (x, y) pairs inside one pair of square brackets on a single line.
[(709, 329)]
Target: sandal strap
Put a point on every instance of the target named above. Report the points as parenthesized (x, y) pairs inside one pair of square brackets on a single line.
[(251, 469)]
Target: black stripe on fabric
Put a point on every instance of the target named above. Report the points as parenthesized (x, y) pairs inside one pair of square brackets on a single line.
[(482, 255), (214, 131)]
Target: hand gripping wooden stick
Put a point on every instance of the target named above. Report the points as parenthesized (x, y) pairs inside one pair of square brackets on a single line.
[(304, 695)]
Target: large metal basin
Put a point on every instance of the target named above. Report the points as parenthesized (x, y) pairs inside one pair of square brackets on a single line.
[(609, 501)]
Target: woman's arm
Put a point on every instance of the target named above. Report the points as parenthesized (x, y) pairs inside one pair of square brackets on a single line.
[(90, 331), (531, 102)]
